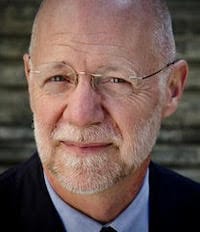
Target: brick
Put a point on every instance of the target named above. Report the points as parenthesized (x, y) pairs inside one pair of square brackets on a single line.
[(12, 75), (17, 20), (193, 82), (179, 136), (187, 114), (14, 107), (20, 2), (188, 46), (185, 16), (177, 155), (12, 47), (186, 26), (15, 133), (16, 153)]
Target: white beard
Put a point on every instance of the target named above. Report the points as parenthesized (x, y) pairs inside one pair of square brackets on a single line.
[(95, 173)]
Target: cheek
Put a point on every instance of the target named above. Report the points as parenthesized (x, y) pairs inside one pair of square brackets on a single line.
[(47, 111), (129, 113)]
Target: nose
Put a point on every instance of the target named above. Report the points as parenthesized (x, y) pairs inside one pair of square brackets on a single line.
[(84, 106)]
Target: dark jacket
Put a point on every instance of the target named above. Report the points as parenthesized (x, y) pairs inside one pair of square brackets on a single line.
[(25, 204)]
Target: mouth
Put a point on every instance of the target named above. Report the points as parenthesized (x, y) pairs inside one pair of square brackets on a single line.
[(85, 148)]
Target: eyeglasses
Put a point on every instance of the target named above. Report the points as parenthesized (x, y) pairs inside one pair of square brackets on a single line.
[(60, 78)]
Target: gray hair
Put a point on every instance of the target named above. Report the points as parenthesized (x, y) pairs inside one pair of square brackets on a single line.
[(163, 33)]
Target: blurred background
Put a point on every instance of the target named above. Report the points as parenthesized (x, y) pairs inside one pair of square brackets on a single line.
[(178, 146)]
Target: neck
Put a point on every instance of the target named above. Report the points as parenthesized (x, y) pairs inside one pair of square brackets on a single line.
[(107, 205)]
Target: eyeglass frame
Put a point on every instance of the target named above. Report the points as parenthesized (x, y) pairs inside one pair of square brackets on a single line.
[(99, 75)]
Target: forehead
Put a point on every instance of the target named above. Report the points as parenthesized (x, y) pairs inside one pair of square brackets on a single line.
[(115, 28), (86, 17)]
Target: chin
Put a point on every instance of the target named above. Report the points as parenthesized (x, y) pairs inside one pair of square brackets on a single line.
[(86, 175)]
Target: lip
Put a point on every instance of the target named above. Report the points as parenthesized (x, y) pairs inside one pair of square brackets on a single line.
[(84, 148)]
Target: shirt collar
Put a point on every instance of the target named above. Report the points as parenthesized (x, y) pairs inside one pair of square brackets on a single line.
[(134, 216)]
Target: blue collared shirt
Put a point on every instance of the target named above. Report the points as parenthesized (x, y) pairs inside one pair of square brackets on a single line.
[(134, 218)]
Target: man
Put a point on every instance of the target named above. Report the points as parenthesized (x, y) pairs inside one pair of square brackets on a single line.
[(102, 76)]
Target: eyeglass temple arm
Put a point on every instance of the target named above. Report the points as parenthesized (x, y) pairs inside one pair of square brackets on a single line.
[(169, 64)]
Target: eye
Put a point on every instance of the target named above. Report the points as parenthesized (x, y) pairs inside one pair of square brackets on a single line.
[(112, 85), (115, 84), (117, 80), (58, 84), (60, 78)]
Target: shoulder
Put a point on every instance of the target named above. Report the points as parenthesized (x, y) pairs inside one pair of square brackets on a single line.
[(15, 181), (167, 179), (174, 200), (16, 174), (25, 201)]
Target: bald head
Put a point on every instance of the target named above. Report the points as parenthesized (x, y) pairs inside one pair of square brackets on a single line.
[(114, 18)]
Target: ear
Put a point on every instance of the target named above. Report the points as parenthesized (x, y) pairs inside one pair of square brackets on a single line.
[(27, 67), (175, 87), (26, 59)]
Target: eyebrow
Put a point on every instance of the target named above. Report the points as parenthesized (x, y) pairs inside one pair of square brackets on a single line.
[(108, 68), (53, 64)]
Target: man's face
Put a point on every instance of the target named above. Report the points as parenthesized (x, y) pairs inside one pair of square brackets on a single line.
[(88, 141)]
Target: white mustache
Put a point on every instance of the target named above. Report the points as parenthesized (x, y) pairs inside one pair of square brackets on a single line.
[(92, 134)]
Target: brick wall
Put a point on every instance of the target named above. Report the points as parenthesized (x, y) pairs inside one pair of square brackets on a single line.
[(178, 146)]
